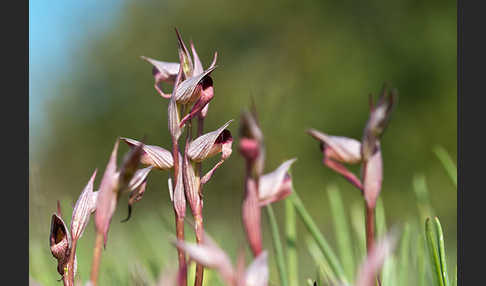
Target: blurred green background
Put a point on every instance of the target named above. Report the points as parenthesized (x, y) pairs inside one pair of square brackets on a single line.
[(306, 64)]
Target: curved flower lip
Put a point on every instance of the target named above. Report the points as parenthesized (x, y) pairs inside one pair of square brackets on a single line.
[(60, 242), (342, 149), (202, 147), (84, 207), (155, 156), (276, 185), (185, 91)]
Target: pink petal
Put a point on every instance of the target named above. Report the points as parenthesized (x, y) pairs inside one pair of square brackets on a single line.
[(342, 149), (372, 178), (273, 185), (251, 214), (257, 272)]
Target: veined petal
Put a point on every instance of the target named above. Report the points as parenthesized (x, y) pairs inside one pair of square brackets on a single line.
[(191, 186), (85, 205), (155, 156), (198, 68), (184, 57), (372, 178), (174, 119), (257, 272), (185, 92), (179, 199), (342, 149), (107, 195), (205, 145), (275, 185)]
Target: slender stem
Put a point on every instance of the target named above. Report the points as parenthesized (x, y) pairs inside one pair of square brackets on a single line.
[(199, 229), (370, 232), (279, 256), (291, 238), (179, 221), (96, 258), (70, 265)]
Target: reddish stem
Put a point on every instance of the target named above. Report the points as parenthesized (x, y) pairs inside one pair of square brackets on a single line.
[(70, 265), (198, 225)]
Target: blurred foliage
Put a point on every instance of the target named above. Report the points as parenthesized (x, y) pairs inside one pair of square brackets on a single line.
[(306, 64)]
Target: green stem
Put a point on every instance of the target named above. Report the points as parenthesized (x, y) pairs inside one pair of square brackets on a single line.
[(291, 238), (319, 238), (278, 247)]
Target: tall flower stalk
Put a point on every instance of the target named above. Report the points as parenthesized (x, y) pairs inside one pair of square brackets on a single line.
[(367, 152)]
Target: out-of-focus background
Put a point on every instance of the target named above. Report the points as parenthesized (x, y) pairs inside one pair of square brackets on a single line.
[(306, 64)]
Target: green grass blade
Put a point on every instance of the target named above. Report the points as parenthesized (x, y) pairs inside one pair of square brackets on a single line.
[(421, 269), (454, 281), (380, 219), (447, 162), (422, 193), (341, 228), (433, 252), (291, 238), (357, 221), (442, 253), (404, 271), (319, 259), (277, 244), (317, 235)]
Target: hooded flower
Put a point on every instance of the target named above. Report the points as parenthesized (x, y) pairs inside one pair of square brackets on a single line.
[(162, 72), (276, 185), (60, 242), (154, 156), (337, 150), (211, 255), (137, 188), (210, 144), (83, 208)]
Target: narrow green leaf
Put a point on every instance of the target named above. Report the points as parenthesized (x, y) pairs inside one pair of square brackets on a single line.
[(319, 259), (277, 244), (442, 253), (454, 281), (421, 269), (341, 228), (291, 238), (447, 162), (357, 221), (433, 252), (422, 193), (317, 235), (404, 269), (380, 219)]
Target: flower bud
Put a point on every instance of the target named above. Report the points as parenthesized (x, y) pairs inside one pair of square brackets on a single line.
[(187, 65), (179, 199), (372, 178), (191, 186), (251, 214)]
